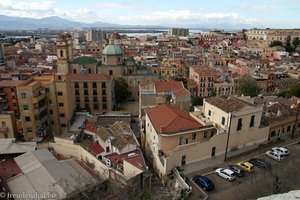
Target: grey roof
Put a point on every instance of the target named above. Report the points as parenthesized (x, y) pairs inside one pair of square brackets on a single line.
[(42, 172), (8, 146)]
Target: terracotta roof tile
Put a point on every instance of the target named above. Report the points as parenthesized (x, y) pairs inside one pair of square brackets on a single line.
[(89, 126), (165, 86), (170, 119)]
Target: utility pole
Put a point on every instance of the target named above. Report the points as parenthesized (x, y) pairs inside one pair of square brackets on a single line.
[(228, 137), (296, 120)]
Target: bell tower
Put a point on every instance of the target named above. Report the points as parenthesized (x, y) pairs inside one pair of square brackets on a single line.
[(64, 48)]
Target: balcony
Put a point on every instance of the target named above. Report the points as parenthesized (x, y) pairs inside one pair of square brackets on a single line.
[(3, 129), (38, 98), (39, 110)]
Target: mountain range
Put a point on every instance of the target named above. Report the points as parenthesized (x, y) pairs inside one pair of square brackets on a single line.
[(58, 23)]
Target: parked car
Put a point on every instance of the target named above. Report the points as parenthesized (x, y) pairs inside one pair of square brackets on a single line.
[(204, 182), (261, 163), (240, 172), (275, 155), (226, 174), (246, 166), (282, 150)]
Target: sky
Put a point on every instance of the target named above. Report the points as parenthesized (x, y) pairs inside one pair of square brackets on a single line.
[(254, 13)]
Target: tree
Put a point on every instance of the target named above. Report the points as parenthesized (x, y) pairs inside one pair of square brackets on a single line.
[(249, 88), (197, 101), (121, 90), (293, 90), (296, 41), (276, 43), (184, 81)]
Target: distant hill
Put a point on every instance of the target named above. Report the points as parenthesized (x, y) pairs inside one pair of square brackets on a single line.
[(55, 23)]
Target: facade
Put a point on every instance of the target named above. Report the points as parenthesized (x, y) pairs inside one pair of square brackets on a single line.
[(168, 68), (33, 101), (178, 32), (8, 125), (2, 58), (204, 77), (8, 96), (270, 35), (94, 35)]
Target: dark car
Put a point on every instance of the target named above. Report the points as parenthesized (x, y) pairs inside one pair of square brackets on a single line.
[(204, 182), (240, 172), (261, 163)]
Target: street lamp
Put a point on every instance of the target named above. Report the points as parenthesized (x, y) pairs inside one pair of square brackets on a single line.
[(228, 137)]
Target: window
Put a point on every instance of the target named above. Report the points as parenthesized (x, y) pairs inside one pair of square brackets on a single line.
[(103, 99), (29, 130), (3, 124), (110, 72), (209, 112), (47, 90), (25, 107), (252, 121), (193, 136), (223, 120), (288, 128), (59, 93), (63, 125), (95, 99), (104, 107), (59, 77), (205, 134), (85, 85), (74, 71), (95, 92), (61, 53), (181, 140), (27, 118), (103, 92), (94, 85), (86, 92), (49, 101), (183, 160), (62, 115), (23, 95), (60, 104), (96, 107), (240, 124), (51, 112), (76, 92), (12, 90), (103, 85), (76, 85)]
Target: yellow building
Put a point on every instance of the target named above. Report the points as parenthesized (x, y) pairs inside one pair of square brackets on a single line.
[(8, 126), (32, 101), (168, 68)]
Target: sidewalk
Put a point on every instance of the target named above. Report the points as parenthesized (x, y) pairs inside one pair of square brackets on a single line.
[(207, 165)]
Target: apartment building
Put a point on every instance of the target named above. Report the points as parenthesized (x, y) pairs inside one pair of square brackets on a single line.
[(32, 101), (8, 125), (204, 77), (8, 95), (178, 32)]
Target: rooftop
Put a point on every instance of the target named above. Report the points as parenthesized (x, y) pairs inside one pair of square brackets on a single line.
[(112, 50), (229, 104), (84, 60), (88, 77), (170, 119), (11, 83)]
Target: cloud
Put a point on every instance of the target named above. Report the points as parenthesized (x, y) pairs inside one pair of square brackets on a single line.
[(186, 17), (119, 6)]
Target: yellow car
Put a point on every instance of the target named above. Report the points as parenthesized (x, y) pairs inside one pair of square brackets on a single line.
[(246, 166)]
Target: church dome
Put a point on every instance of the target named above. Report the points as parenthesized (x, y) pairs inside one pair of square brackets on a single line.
[(112, 50)]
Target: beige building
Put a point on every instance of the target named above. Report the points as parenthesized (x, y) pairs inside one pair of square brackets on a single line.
[(8, 125), (32, 99), (174, 138), (178, 32), (270, 35)]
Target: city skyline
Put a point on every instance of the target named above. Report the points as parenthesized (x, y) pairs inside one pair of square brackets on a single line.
[(254, 13)]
